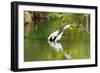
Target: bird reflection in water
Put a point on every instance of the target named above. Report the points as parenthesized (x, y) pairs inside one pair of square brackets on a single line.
[(58, 48)]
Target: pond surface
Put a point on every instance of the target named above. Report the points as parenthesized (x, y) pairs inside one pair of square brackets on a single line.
[(76, 46)]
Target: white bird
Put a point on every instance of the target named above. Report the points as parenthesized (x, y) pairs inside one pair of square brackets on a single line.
[(57, 35)]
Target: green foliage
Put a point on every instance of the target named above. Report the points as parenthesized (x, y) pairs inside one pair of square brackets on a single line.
[(59, 19)]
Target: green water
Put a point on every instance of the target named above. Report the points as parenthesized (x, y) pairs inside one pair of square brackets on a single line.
[(75, 44)]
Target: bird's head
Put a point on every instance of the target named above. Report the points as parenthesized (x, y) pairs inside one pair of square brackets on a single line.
[(67, 26)]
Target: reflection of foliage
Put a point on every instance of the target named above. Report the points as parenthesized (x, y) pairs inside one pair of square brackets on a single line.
[(77, 46)]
